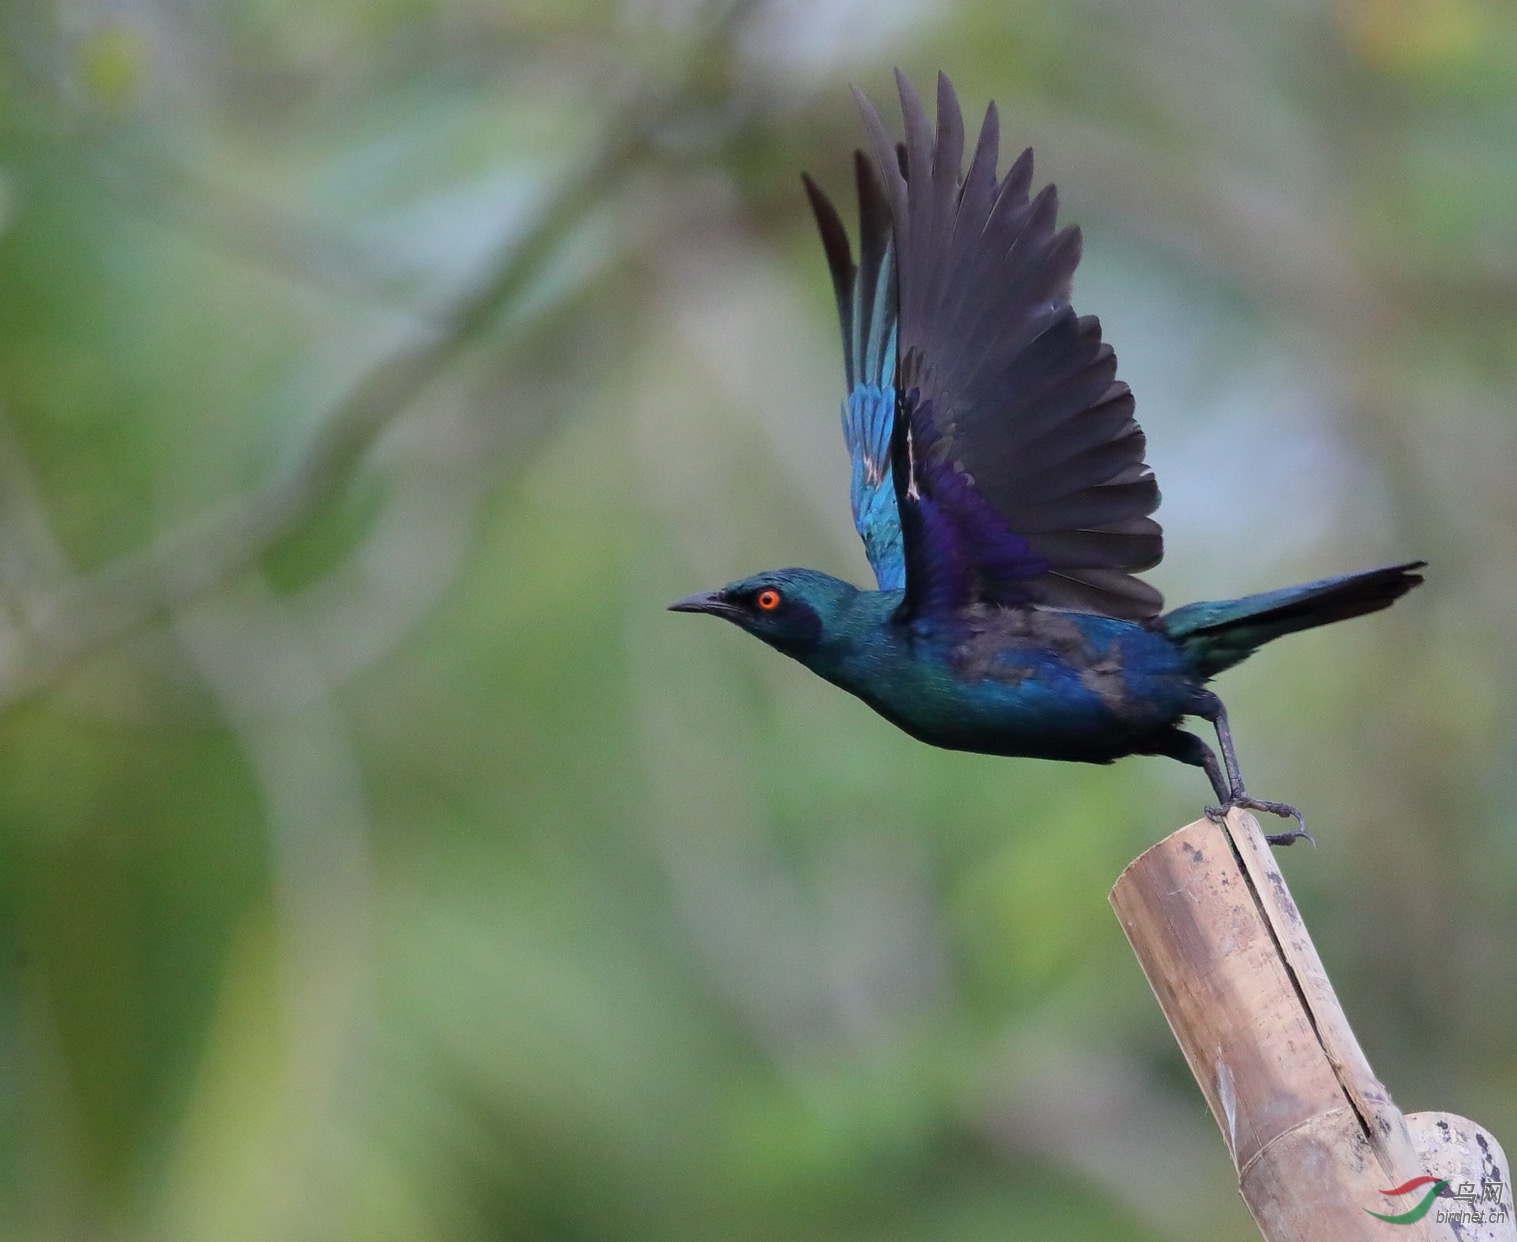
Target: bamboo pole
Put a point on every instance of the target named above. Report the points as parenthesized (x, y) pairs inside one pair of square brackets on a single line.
[(1315, 1138)]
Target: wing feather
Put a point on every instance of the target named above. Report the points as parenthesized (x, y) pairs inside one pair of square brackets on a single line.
[(1019, 466)]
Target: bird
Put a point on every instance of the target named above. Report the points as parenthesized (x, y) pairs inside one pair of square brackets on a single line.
[(999, 485)]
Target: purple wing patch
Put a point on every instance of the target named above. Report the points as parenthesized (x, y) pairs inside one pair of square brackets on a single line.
[(958, 548)]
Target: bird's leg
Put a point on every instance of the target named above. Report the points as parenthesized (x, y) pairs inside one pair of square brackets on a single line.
[(1198, 752), (1218, 783), (1210, 708), (1188, 748)]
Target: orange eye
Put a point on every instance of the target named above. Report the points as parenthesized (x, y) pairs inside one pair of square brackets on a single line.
[(768, 599)]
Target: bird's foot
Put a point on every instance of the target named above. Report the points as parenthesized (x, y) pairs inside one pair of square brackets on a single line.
[(1283, 809)]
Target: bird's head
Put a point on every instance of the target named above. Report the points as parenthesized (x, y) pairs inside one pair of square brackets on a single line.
[(793, 610)]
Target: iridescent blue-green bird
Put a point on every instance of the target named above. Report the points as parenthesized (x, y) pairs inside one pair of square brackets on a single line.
[(1000, 489)]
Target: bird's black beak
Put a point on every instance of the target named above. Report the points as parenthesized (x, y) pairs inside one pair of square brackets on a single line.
[(713, 602)]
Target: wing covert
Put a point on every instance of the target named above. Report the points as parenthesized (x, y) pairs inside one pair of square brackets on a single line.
[(867, 305)]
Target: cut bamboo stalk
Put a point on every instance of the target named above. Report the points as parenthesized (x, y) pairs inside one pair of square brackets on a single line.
[(1315, 1138)]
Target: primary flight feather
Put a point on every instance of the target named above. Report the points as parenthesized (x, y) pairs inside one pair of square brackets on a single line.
[(999, 486)]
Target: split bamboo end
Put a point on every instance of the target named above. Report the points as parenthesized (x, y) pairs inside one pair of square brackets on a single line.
[(1314, 1136)]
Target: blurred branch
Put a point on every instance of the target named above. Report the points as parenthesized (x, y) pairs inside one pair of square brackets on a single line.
[(165, 192), (66, 624)]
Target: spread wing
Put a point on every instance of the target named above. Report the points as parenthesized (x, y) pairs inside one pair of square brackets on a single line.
[(1017, 466), (866, 298)]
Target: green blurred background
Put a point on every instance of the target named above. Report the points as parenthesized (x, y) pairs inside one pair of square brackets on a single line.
[(378, 860)]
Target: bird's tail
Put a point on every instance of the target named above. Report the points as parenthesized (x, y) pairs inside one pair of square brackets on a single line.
[(1218, 635)]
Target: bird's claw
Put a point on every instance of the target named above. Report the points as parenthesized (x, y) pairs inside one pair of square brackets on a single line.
[(1283, 809)]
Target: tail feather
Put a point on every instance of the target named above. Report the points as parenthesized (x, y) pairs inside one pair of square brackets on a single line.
[(1220, 634)]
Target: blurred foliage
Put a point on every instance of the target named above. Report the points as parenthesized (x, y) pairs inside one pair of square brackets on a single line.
[(379, 861)]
